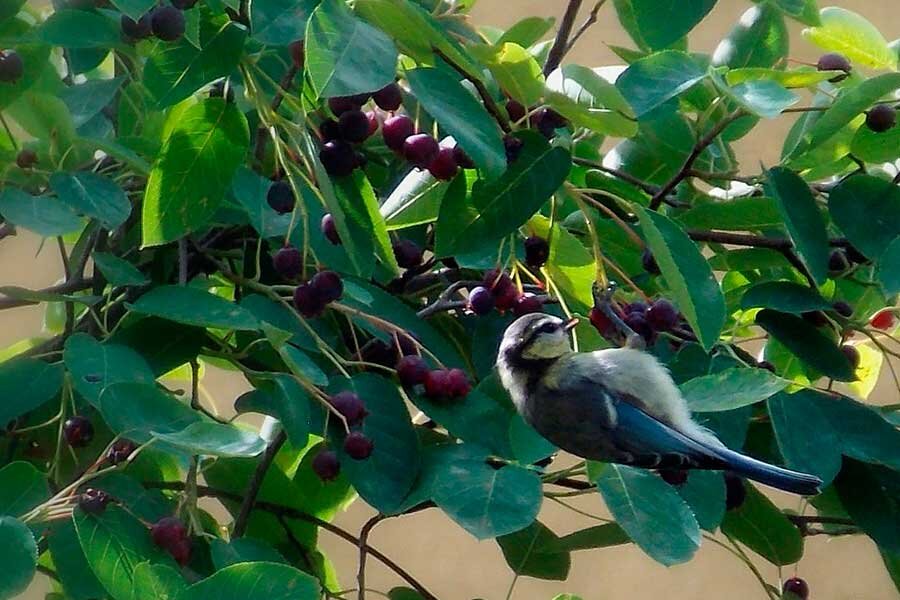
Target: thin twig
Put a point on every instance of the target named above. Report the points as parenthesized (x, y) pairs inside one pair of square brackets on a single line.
[(262, 133), (249, 499), (363, 549), (618, 173), (591, 19), (561, 42), (486, 97)]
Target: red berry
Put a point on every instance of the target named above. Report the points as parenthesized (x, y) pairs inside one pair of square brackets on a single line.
[(507, 298), (834, 62), (325, 464), (307, 301), (168, 531), (338, 157), (136, 30), (181, 551), (735, 492), (662, 315), (354, 125), (373, 122), (389, 97), (420, 149), (350, 406), (462, 159), (481, 301), (26, 159), (437, 383), (395, 131), (515, 110), (167, 23), (358, 446), (120, 451), (93, 501), (796, 586), (527, 304), (675, 477), (288, 262), (444, 165), (602, 323), (329, 230), (881, 117), (281, 197), (408, 254), (328, 286), (297, 51), (883, 320), (341, 104), (537, 251), (412, 370), (458, 384), (649, 263), (498, 282), (852, 355), (78, 431)]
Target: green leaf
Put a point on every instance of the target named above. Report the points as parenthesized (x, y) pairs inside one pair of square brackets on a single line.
[(26, 384), (584, 97), (704, 491), (804, 11), (360, 208), (764, 98), (268, 580), (871, 496), (599, 536), (92, 195), (650, 511), (476, 418), (10, 8), (880, 147), (204, 144), (570, 264), (241, 550), (86, 100), (282, 398), (22, 487), (19, 554), (730, 389), (215, 439), (660, 23), (690, 279), (852, 35), (250, 190), (175, 70), (800, 78), (759, 39), (784, 296), (740, 214), (44, 215), (71, 566), (802, 218), (345, 55), (138, 410), (118, 271), (651, 81), (807, 343), (889, 268), (460, 115), (867, 209), (501, 206), (516, 71), (535, 552), (134, 8), (163, 344), (280, 22), (527, 31), (156, 582), (383, 479), (759, 525), (192, 306), (74, 28), (417, 199)]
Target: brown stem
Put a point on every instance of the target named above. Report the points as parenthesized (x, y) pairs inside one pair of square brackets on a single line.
[(262, 133), (591, 19), (739, 239), (249, 498), (561, 42), (363, 549), (485, 95), (619, 174), (61, 288)]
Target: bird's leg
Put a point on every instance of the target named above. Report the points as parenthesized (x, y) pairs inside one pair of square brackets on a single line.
[(603, 301)]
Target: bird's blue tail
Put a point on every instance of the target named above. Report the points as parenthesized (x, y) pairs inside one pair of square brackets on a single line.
[(777, 477)]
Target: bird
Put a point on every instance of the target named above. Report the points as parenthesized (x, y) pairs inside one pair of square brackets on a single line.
[(616, 405)]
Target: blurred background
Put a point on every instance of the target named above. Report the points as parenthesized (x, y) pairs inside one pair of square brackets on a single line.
[(447, 560)]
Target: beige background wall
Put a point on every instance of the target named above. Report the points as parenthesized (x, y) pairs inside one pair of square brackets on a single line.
[(450, 562)]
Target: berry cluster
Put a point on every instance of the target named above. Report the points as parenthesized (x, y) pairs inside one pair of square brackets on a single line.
[(422, 150), (357, 445), (438, 384), (11, 66), (311, 298), (645, 320), (497, 290), (171, 534), (166, 23)]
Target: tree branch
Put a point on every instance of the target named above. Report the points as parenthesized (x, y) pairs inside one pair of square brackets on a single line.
[(262, 133), (591, 19), (486, 97), (61, 288), (561, 42), (240, 523), (363, 548)]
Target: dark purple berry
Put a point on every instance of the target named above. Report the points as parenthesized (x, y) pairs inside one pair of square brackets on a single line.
[(527, 304), (855, 256), (881, 117), (372, 118), (184, 4), (408, 253), (649, 262), (851, 354), (444, 165), (640, 326), (674, 477), (354, 126), (395, 131), (462, 159), (537, 251), (481, 301), (26, 158), (437, 383), (167, 23), (497, 281), (329, 230), (548, 121), (78, 431), (843, 308), (11, 66), (837, 262), (136, 30), (513, 147), (326, 465), (412, 370), (93, 501), (120, 451), (288, 262), (662, 315), (341, 104), (358, 446), (735, 492), (296, 50), (338, 157), (350, 406), (816, 318), (834, 62), (170, 534), (307, 301), (458, 385), (281, 197), (328, 286), (330, 130), (796, 586), (515, 110), (635, 307), (420, 149), (389, 97)]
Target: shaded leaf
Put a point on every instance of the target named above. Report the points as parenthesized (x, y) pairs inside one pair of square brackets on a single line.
[(807, 343), (71, 566), (784, 296), (215, 439), (19, 554), (242, 550), (599, 536), (871, 496), (730, 389), (280, 22), (93, 195), (137, 409), (192, 306), (22, 487), (759, 525), (273, 581), (867, 209), (26, 384), (651, 81), (118, 271), (759, 39), (739, 214), (660, 23), (844, 31), (535, 552), (44, 215), (72, 28), (156, 582)]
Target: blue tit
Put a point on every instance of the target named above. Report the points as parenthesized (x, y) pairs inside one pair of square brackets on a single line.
[(618, 405)]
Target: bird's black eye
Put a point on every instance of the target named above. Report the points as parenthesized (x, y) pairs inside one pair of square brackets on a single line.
[(548, 327)]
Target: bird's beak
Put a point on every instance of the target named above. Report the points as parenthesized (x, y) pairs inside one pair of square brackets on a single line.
[(570, 324)]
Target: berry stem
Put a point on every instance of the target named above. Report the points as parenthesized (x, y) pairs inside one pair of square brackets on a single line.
[(240, 522), (363, 551), (486, 97)]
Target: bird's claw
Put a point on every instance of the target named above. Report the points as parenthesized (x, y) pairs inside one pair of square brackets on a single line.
[(603, 302), (604, 296)]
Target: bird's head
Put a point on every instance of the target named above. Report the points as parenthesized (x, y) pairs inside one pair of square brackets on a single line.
[(535, 337)]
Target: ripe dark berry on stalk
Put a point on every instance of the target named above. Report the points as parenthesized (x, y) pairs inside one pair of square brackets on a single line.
[(437, 383), (881, 117), (640, 326), (649, 262), (167, 23), (120, 451), (851, 354), (358, 446), (26, 158), (281, 197), (506, 299), (307, 301), (462, 159), (170, 534), (635, 307), (458, 385), (420, 149), (354, 125), (11, 66), (513, 147), (78, 431), (136, 30), (662, 315), (412, 370), (326, 466), (288, 262), (328, 286), (837, 262), (537, 251), (338, 157), (515, 110), (330, 130), (350, 406), (395, 131), (527, 304), (372, 119), (184, 4), (548, 121), (296, 50), (674, 477), (481, 301), (796, 586), (884, 320), (341, 104), (834, 62), (93, 501), (407, 344), (408, 254), (329, 230), (497, 281), (389, 97), (735, 492), (843, 308), (444, 165)]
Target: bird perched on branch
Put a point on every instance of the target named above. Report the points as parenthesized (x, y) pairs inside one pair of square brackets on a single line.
[(617, 405)]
